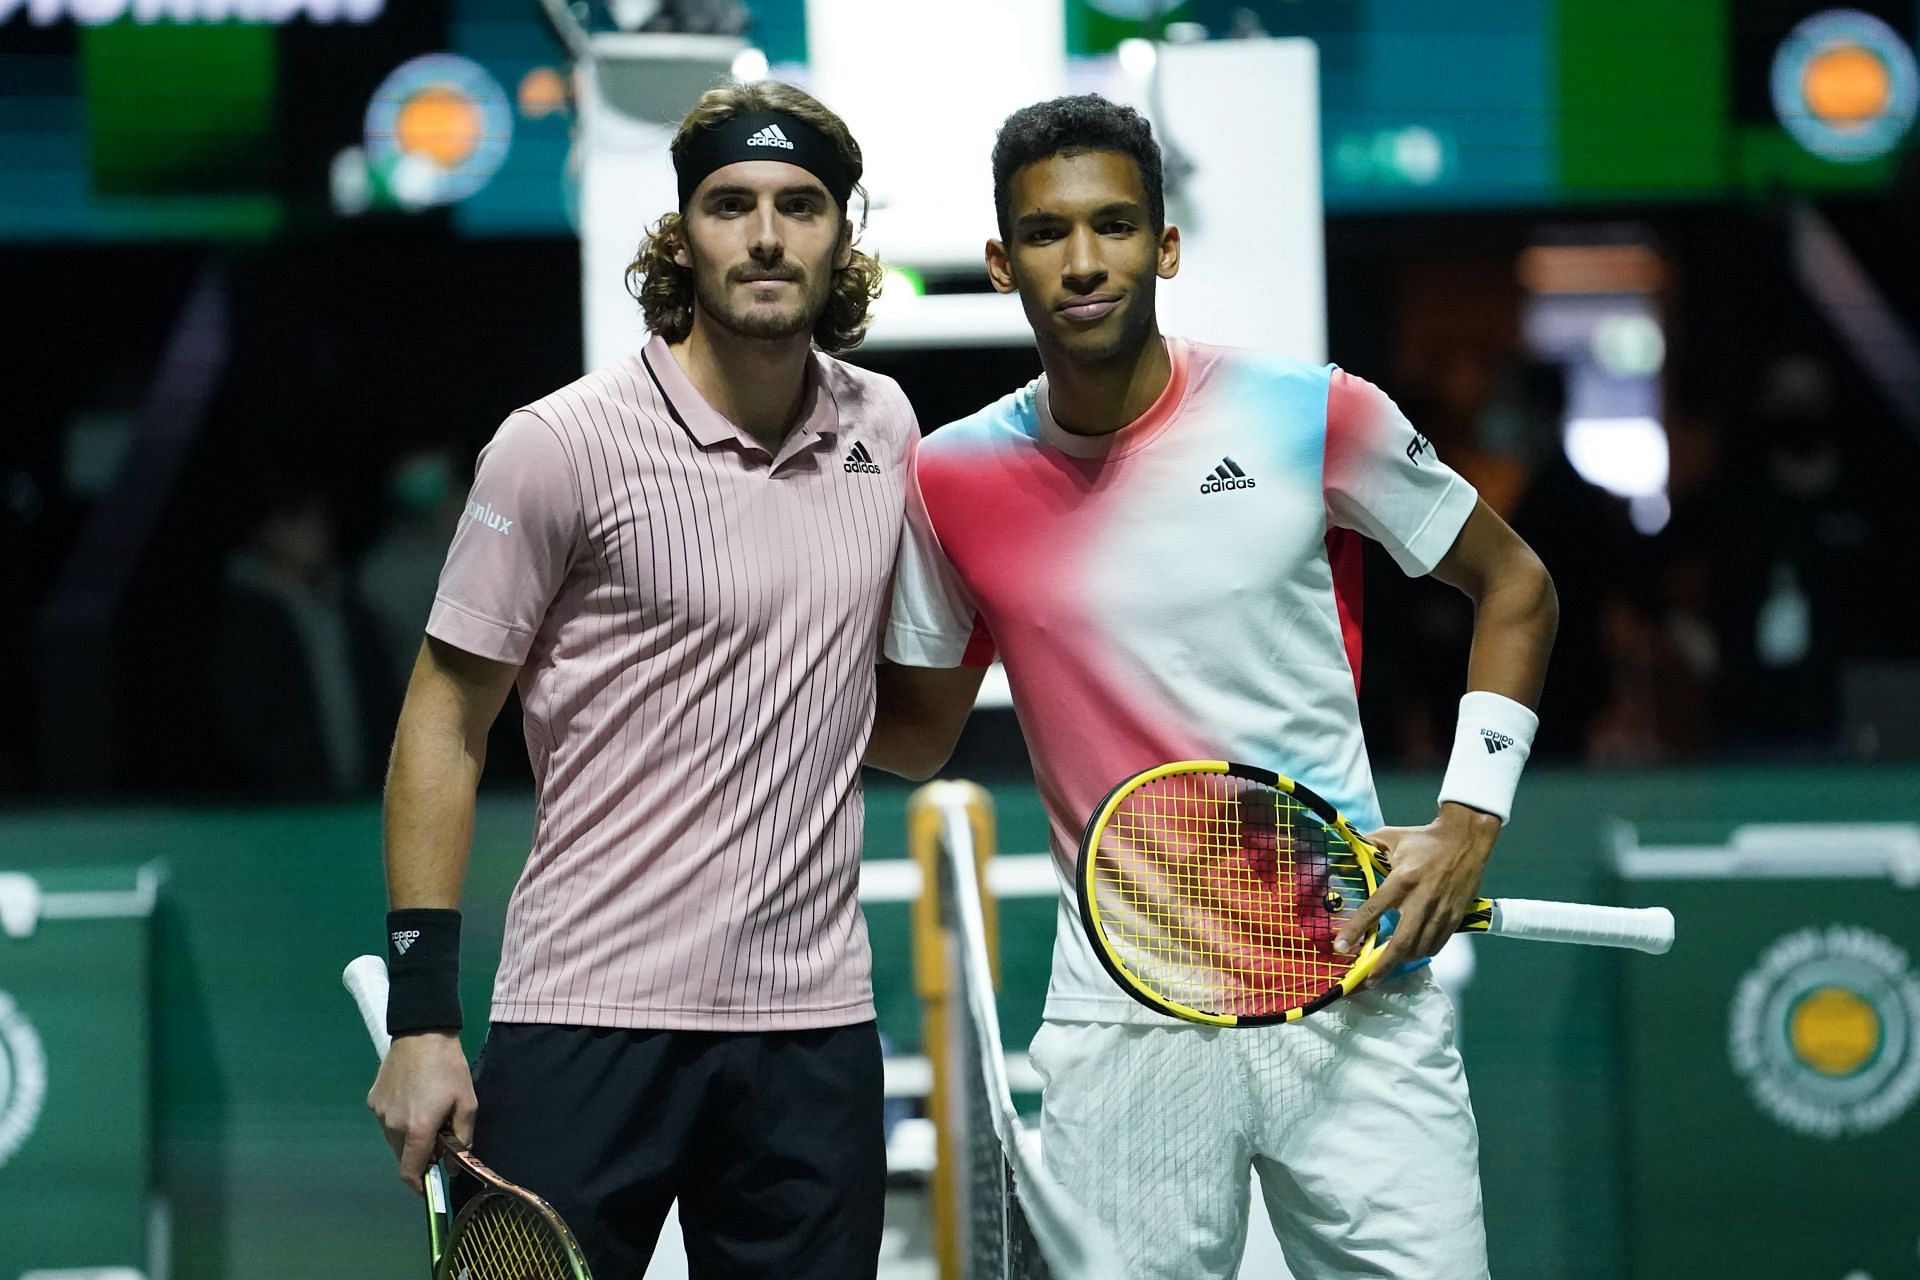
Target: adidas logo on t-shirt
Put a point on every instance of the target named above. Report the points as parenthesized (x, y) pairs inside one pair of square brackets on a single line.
[(858, 459), (1227, 475), (1495, 741), (770, 137)]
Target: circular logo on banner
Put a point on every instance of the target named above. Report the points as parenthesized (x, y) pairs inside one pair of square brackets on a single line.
[(1825, 1030), (23, 1078), (438, 128), (1845, 85)]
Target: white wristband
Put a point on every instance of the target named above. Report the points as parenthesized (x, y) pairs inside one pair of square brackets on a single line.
[(1490, 748)]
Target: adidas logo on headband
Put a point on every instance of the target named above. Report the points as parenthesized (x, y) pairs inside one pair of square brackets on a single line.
[(770, 137)]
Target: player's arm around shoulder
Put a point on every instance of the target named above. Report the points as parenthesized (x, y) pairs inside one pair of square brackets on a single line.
[(918, 715), (439, 750), (1437, 867), (925, 690)]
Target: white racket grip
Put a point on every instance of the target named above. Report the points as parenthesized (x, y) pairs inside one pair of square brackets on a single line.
[(1648, 929), (366, 980)]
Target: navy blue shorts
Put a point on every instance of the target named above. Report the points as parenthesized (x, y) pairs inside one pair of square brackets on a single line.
[(770, 1141)]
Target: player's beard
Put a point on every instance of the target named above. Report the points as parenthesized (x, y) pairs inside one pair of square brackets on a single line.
[(761, 320)]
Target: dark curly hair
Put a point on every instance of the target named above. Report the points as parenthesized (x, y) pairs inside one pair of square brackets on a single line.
[(664, 288), (1070, 127)]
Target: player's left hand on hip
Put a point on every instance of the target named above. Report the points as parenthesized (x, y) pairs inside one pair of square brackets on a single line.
[(1435, 877)]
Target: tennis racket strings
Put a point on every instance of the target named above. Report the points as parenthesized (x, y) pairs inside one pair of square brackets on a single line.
[(1214, 891), (1224, 894), (501, 1237)]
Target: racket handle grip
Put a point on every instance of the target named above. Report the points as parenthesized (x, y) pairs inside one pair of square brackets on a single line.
[(1648, 929), (366, 981)]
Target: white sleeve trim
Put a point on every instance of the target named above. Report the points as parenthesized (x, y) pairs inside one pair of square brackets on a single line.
[(1438, 532), (913, 647)]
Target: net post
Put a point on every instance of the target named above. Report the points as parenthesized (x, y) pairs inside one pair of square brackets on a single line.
[(935, 958)]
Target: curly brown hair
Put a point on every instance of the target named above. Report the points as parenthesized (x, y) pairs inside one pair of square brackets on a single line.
[(665, 289)]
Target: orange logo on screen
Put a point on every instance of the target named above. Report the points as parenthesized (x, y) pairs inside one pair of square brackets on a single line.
[(440, 124), (543, 92), (1834, 1031), (1847, 84)]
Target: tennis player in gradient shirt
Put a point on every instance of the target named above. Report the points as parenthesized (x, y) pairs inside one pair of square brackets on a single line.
[(682, 562), (1159, 538)]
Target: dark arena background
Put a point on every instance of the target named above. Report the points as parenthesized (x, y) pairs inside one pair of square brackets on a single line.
[(1643, 271)]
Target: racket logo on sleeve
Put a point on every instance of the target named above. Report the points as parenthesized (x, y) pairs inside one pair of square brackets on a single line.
[(1417, 446)]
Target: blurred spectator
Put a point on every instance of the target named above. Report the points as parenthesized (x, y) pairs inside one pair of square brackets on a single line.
[(301, 692), (1799, 549), (1683, 557), (399, 573)]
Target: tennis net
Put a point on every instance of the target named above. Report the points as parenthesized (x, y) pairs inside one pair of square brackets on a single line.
[(996, 1211)]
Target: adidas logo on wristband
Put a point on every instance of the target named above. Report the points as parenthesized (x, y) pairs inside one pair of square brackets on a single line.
[(1495, 741), (404, 939)]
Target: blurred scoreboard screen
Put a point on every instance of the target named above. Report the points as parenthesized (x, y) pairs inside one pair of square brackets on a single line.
[(158, 119), (160, 126)]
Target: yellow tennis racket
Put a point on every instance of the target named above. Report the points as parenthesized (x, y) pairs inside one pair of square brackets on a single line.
[(503, 1232), (1213, 892)]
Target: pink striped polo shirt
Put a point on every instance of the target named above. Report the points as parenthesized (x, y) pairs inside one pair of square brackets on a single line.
[(696, 623)]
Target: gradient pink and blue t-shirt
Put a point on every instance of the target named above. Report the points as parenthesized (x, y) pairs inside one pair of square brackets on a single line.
[(1186, 587)]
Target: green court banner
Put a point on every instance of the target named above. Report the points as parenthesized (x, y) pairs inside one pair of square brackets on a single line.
[(1773, 1065), (76, 1131), (226, 1042)]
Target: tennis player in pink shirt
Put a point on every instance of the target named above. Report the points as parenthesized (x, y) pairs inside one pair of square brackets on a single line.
[(1161, 540), (682, 563)]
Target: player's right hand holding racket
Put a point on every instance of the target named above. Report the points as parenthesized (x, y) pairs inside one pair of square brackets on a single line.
[(502, 1232), (1217, 892), (1434, 885), (424, 1088)]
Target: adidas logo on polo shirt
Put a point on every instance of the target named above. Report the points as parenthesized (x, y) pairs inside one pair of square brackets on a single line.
[(1495, 741), (858, 459), (1227, 475), (770, 137)]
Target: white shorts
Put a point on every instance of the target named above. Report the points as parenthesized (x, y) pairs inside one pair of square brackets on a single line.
[(1355, 1119)]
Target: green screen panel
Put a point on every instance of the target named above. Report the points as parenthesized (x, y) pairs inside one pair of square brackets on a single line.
[(1644, 95), (1099, 28), (178, 108)]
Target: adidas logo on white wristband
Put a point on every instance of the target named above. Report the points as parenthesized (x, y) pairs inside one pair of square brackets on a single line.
[(1495, 741)]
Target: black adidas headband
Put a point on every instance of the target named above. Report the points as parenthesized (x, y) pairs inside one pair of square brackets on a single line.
[(763, 135)]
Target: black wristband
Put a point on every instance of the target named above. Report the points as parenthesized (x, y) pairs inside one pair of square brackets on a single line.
[(423, 970)]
